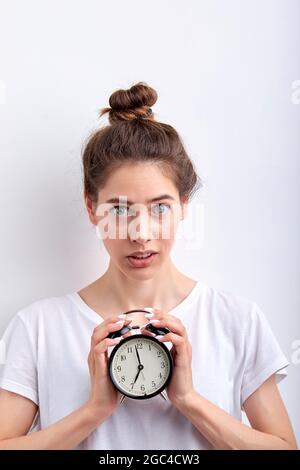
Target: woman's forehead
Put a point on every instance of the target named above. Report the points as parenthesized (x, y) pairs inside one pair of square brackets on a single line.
[(137, 172), (138, 186)]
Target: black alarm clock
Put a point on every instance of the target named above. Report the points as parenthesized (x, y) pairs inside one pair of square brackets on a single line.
[(140, 366)]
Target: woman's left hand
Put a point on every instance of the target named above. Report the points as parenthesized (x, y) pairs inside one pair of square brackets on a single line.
[(181, 383)]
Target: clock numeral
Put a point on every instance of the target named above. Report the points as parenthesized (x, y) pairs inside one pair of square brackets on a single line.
[(118, 368), (160, 375), (123, 378), (158, 354), (163, 365), (153, 383), (123, 357), (143, 388), (150, 349), (139, 346), (129, 349)]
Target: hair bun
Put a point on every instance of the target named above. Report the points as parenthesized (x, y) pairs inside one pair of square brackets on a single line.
[(133, 103)]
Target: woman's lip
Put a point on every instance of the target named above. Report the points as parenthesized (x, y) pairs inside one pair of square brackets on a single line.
[(141, 263), (153, 253)]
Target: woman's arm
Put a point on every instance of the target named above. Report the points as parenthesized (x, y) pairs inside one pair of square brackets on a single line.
[(264, 407), (17, 414), (266, 413)]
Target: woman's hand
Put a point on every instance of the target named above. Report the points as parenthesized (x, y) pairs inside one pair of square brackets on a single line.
[(104, 397), (181, 383)]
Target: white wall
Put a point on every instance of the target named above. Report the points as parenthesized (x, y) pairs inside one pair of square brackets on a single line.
[(224, 72)]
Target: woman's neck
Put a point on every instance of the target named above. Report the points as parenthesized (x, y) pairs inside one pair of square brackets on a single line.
[(113, 292)]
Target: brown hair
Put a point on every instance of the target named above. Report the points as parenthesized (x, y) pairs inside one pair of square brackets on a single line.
[(133, 136)]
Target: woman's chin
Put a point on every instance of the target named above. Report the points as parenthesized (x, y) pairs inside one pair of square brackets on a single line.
[(141, 268)]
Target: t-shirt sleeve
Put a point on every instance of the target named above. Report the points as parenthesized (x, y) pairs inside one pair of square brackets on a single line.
[(264, 356), (18, 371)]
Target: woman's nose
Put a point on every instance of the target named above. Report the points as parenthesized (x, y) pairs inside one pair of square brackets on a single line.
[(140, 229)]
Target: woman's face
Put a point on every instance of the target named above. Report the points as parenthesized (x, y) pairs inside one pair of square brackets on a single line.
[(138, 210)]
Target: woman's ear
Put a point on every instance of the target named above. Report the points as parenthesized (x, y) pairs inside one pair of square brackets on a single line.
[(90, 206), (184, 207)]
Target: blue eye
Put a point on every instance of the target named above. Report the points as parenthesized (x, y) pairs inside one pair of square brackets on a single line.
[(117, 210), (161, 205), (119, 207)]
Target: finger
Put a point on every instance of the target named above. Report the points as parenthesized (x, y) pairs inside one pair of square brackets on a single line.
[(101, 333), (100, 351), (179, 343), (156, 313), (171, 324), (102, 346), (90, 361), (110, 319), (159, 314), (96, 356)]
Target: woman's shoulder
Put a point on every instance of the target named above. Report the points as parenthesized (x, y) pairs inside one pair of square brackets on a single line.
[(230, 306), (44, 308)]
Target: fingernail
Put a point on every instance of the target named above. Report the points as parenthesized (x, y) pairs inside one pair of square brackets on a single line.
[(154, 321), (117, 339), (123, 315), (149, 315), (119, 322), (150, 309)]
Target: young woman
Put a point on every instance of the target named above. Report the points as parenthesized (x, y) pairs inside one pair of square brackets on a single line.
[(226, 356)]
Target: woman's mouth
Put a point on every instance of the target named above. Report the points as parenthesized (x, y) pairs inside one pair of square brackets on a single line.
[(141, 262)]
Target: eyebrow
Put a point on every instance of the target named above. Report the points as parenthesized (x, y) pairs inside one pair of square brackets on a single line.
[(122, 199)]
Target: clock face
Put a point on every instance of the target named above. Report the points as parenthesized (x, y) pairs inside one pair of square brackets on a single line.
[(140, 366)]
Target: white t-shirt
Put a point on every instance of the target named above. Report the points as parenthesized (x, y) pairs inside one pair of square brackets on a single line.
[(234, 352)]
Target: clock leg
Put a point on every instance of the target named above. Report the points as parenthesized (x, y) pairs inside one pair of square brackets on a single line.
[(164, 395), (122, 399)]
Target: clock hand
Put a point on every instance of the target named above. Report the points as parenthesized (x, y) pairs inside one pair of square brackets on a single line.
[(138, 356), (137, 353), (140, 367), (136, 377)]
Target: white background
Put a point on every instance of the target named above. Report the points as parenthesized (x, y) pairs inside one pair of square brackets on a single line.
[(224, 72)]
